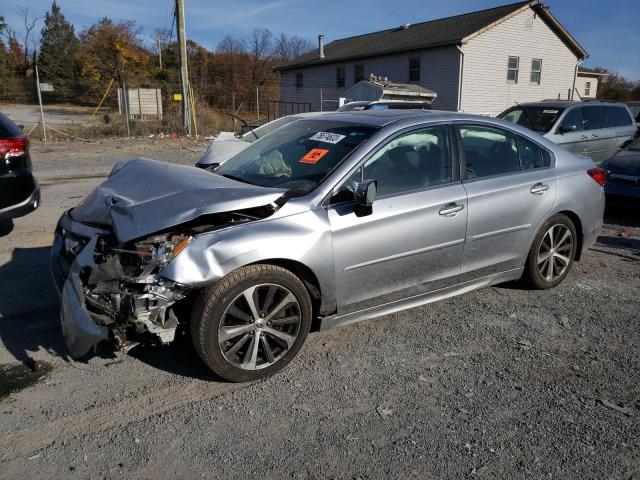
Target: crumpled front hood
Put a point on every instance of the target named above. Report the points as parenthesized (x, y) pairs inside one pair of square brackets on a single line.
[(626, 162), (142, 196)]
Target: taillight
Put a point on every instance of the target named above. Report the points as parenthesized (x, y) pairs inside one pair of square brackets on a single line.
[(11, 147), (599, 175)]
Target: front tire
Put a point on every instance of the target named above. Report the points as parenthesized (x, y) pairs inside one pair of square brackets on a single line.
[(552, 253), (251, 323)]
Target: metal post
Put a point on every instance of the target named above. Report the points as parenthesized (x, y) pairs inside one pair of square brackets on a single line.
[(184, 70), (44, 131), (125, 103), (258, 104), (321, 100), (233, 109), (159, 52)]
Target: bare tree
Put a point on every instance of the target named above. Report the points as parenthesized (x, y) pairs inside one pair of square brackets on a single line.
[(287, 48), (29, 25)]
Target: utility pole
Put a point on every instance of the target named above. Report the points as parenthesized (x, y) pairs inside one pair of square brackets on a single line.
[(258, 104), (184, 70), (233, 109), (159, 52), (125, 95), (44, 131)]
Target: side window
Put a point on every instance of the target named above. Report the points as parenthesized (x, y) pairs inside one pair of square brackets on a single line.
[(340, 78), (619, 117), (299, 81), (488, 151), (412, 161), (573, 118), (531, 155), (414, 69), (358, 73), (513, 65), (595, 117), (347, 189)]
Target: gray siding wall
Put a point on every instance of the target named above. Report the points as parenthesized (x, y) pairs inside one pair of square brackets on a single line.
[(439, 71), (485, 89)]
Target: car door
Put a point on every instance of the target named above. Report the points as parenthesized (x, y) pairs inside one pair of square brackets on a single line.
[(510, 190), (569, 132), (622, 126), (597, 136), (411, 239)]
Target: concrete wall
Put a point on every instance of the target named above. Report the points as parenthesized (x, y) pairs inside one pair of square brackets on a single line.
[(438, 72), (485, 89)]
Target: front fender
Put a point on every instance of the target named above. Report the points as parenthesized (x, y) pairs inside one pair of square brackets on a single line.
[(304, 238)]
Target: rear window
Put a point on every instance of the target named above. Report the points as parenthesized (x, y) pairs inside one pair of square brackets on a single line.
[(536, 118), (619, 117), (8, 128)]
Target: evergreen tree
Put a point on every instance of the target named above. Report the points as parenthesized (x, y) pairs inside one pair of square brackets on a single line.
[(58, 62)]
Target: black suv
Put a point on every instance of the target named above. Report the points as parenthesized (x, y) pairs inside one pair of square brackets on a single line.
[(19, 192)]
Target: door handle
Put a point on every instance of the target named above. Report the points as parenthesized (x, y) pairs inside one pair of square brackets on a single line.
[(451, 209), (594, 135), (539, 188), (583, 137)]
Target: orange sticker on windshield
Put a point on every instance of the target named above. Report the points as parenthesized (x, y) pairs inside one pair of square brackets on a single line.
[(314, 155)]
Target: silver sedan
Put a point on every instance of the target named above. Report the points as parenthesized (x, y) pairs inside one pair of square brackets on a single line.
[(329, 220)]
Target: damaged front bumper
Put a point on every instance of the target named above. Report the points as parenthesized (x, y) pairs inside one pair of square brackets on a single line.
[(99, 301)]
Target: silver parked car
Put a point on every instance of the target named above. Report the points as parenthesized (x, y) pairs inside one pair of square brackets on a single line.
[(594, 129), (329, 220)]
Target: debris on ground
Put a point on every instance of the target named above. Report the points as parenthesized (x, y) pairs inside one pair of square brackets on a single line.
[(384, 412), (628, 411)]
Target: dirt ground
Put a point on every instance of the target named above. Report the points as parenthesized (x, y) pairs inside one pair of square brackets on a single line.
[(497, 383)]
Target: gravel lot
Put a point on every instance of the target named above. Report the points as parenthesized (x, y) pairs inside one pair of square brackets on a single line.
[(498, 383)]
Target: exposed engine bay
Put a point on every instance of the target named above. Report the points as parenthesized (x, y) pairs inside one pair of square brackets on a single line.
[(114, 290)]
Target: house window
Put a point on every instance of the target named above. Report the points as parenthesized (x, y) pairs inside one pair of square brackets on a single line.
[(358, 74), (587, 89), (340, 77), (414, 69), (299, 81), (536, 69), (512, 69)]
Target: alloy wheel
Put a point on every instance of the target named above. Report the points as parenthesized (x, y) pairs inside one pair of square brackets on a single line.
[(259, 326), (555, 252)]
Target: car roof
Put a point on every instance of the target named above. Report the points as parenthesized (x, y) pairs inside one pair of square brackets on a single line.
[(381, 118), (563, 103)]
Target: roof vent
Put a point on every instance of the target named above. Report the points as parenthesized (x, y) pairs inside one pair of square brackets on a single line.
[(321, 46), (402, 27)]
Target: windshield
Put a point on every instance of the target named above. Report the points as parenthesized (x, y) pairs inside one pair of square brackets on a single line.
[(266, 129), (298, 156), (538, 118)]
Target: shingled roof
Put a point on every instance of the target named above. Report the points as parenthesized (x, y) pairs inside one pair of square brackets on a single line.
[(431, 34)]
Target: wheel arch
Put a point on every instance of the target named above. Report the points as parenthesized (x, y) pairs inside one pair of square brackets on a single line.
[(305, 274), (577, 223)]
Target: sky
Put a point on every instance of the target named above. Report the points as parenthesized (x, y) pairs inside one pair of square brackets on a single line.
[(607, 29)]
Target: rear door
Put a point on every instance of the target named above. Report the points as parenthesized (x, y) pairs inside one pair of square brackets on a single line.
[(510, 189), (622, 125), (411, 240), (597, 136)]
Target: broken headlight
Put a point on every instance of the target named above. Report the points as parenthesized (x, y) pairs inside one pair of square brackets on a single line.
[(168, 250)]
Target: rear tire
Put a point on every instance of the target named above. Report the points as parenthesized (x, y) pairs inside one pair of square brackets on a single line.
[(251, 323), (552, 253)]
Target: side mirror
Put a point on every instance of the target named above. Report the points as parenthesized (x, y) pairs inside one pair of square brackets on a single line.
[(366, 193), (562, 129)]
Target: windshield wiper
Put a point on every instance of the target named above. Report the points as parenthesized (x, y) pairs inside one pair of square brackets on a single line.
[(245, 124), (238, 179)]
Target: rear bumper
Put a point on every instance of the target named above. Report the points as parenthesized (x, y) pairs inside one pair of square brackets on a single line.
[(622, 195), (21, 196)]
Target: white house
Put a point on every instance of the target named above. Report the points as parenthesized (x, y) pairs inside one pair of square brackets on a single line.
[(587, 83), (480, 62)]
